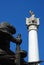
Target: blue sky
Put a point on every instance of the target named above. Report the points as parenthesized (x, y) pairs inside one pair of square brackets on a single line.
[(15, 12)]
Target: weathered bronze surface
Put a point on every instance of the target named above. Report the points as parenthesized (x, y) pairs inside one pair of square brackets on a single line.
[(6, 55)]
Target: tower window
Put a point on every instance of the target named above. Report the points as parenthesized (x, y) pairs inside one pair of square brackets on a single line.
[(32, 21)]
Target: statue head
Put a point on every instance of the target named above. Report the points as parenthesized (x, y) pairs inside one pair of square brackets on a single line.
[(6, 32), (6, 27)]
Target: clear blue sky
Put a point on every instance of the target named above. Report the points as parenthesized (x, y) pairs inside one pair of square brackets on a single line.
[(15, 12)]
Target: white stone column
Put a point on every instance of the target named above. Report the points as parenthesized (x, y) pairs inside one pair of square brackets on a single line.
[(33, 51)]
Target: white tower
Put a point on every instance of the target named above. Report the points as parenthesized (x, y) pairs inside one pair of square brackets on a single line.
[(32, 24)]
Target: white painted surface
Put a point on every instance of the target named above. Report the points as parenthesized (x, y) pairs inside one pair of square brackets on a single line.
[(33, 53)]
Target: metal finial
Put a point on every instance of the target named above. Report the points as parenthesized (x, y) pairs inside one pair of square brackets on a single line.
[(31, 12)]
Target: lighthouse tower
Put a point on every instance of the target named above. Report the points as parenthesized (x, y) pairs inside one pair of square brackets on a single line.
[(32, 25)]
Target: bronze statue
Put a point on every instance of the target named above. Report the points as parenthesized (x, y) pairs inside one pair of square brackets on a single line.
[(6, 55)]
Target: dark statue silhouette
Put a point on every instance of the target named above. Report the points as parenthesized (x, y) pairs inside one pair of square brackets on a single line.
[(6, 55)]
